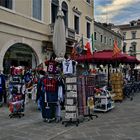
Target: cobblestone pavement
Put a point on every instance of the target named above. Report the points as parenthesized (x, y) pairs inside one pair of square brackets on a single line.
[(121, 123)]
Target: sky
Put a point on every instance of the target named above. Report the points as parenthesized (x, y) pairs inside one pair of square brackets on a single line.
[(116, 11)]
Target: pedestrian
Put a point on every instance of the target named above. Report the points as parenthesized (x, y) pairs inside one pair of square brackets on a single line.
[(39, 89), (2, 88)]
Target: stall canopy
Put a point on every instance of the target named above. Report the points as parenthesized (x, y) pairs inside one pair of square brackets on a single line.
[(105, 56)]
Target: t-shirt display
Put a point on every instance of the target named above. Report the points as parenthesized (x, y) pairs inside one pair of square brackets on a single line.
[(69, 66), (51, 66)]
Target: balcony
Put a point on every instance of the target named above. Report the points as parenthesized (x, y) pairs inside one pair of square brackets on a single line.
[(70, 33)]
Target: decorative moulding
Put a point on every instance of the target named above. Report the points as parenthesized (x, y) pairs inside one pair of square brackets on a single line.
[(75, 9)]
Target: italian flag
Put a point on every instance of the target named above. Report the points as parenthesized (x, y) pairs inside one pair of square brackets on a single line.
[(89, 46)]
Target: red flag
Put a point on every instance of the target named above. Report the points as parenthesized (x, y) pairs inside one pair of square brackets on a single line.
[(88, 49), (116, 49)]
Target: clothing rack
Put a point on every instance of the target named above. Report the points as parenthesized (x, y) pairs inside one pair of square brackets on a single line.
[(50, 101)]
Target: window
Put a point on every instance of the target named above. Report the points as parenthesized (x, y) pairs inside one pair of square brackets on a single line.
[(124, 35), (95, 36), (132, 49), (124, 47), (76, 24), (133, 23), (133, 35), (101, 38), (37, 9), (6, 3), (54, 9), (113, 41), (119, 43), (65, 11), (110, 41), (105, 39), (88, 1), (88, 30)]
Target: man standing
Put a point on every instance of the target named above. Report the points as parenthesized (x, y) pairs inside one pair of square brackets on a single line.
[(2, 88)]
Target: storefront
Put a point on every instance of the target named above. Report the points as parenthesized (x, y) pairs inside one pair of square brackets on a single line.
[(19, 54)]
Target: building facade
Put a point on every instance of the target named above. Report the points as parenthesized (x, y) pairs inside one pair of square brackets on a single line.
[(131, 37), (104, 37), (26, 28)]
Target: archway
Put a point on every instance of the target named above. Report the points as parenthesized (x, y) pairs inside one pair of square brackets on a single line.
[(19, 54)]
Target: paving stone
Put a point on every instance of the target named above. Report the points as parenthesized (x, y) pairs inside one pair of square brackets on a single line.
[(121, 123)]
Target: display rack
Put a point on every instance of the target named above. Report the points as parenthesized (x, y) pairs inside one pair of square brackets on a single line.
[(71, 114), (103, 103), (86, 85)]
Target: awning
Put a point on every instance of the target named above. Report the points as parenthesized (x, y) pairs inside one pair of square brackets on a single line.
[(105, 56)]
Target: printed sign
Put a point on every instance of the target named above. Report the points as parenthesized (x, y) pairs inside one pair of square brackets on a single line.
[(71, 108), (72, 87), (72, 94), (71, 98), (71, 80), (70, 115), (70, 101)]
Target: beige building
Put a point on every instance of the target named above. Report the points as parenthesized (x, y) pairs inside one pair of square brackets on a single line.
[(104, 37), (26, 28), (131, 37)]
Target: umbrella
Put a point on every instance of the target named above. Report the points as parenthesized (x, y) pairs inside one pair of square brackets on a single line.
[(59, 45)]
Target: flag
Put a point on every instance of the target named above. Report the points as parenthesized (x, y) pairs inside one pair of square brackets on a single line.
[(77, 48), (73, 52), (116, 49), (89, 46), (81, 45)]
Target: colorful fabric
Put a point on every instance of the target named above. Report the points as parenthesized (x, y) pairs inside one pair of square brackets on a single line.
[(50, 84), (16, 106), (116, 49), (89, 46), (50, 88)]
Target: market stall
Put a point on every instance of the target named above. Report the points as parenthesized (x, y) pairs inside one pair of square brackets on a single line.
[(105, 57)]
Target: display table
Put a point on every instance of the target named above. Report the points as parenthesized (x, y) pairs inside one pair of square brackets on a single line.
[(103, 103)]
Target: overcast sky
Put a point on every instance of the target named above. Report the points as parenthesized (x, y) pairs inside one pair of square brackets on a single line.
[(117, 11)]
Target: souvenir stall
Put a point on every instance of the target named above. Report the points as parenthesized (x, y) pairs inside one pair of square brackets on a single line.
[(105, 57), (79, 101)]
